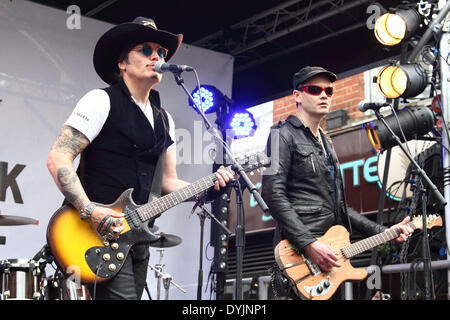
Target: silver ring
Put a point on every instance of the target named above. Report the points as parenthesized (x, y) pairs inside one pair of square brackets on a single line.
[(117, 222)]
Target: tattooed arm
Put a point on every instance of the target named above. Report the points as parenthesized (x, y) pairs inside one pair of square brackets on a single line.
[(66, 148)]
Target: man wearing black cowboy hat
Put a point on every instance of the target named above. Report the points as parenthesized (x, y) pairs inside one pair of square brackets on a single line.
[(121, 132), (306, 194)]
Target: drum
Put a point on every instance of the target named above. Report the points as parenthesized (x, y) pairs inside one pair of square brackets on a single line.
[(58, 288), (20, 279)]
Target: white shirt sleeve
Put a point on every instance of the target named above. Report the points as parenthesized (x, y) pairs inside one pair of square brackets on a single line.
[(171, 131), (90, 113)]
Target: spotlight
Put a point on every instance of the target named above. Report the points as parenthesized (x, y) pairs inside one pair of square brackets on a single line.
[(404, 81), (242, 123), (209, 98), (415, 123), (391, 28)]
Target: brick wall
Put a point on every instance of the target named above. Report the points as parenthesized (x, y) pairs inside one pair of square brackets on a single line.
[(348, 93)]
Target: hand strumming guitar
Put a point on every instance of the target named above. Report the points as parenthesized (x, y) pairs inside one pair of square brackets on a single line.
[(323, 255)]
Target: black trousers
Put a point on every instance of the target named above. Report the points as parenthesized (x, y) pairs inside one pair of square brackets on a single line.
[(129, 283)]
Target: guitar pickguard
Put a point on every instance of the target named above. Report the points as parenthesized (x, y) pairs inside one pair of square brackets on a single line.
[(105, 262)]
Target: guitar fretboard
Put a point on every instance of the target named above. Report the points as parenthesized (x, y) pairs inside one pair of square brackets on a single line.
[(158, 206), (373, 241)]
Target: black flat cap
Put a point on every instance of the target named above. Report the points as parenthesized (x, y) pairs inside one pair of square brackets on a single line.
[(306, 73)]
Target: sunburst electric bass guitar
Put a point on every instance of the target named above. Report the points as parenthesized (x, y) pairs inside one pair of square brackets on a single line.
[(77, 248), (311, 283)]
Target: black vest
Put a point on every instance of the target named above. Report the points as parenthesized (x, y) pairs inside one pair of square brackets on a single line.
[(125, 152)]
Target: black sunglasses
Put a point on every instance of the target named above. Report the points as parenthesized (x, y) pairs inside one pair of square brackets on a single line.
[(147, 51), (316, 90)]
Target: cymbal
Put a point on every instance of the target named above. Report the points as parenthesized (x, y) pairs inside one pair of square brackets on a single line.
[(166, 241), (11, 220)]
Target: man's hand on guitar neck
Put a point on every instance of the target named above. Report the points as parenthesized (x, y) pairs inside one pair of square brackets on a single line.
[(406, 231), (323, 255), (223, 177)]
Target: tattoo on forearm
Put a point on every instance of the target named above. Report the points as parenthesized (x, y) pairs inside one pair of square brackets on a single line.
[(70, 141), (67, 180)]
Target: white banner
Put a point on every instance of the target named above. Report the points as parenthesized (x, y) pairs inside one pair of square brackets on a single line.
[(45, 67)]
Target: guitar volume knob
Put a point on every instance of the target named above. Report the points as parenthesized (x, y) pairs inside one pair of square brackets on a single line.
[(120, 256), (112, 267)]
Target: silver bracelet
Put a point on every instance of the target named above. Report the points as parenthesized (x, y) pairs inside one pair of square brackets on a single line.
[(86, 212)]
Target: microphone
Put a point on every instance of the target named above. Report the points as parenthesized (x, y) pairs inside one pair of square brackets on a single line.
[(40, 254), (161, 67), (364, 106)]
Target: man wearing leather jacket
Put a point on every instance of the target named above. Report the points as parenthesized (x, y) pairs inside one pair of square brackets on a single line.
[(305, 193)]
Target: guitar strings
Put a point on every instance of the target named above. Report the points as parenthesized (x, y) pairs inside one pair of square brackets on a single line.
[(145, 212)]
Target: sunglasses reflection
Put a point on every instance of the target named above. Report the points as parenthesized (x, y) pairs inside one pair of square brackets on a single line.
[(317, 90)]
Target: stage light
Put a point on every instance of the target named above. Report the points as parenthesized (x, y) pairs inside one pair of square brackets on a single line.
[(415, 122), (404, 81), (209, 98), (242, 123), (391, 28)]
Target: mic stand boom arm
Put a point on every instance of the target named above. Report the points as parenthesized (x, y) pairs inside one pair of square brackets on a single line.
[(215, 133), (240, 229), (429, 292), (422, 173)]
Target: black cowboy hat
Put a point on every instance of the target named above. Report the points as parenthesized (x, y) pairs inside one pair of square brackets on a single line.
[(126, 36)]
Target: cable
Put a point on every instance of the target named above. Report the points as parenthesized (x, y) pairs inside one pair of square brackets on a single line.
[(95, 281), (400, 127)]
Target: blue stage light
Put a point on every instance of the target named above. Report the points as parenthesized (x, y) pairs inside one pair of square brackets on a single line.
[(206, 96), (209, 98), (243, 124)]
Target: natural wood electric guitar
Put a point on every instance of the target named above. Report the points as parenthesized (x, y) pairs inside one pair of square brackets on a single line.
[(77, 248), (311, 282)]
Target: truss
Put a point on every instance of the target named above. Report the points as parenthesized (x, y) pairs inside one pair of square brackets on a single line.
[(241, 39)]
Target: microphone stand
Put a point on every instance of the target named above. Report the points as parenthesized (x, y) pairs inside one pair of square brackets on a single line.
[(439, 197), (238, 169)]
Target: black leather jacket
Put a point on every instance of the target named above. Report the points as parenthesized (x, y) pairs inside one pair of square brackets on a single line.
[(299, 189)]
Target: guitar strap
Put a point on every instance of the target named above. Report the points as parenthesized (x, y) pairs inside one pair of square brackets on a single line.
[(155, 190)]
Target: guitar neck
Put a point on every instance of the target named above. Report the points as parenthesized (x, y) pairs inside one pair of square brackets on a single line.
[(155, 208), (373, 241)]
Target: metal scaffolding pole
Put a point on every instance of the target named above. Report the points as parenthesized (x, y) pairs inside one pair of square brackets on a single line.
[(445, 74)]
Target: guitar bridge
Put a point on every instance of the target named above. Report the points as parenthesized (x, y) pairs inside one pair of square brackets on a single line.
[(313, 267)]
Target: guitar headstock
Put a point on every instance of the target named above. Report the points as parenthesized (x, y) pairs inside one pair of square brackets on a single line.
[(254, 161), (433, 220)]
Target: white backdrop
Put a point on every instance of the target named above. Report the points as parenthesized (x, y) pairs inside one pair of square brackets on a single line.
[(45, 67)]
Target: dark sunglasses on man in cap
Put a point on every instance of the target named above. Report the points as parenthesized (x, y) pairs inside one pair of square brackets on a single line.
[(316, 90), (147, 50)]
